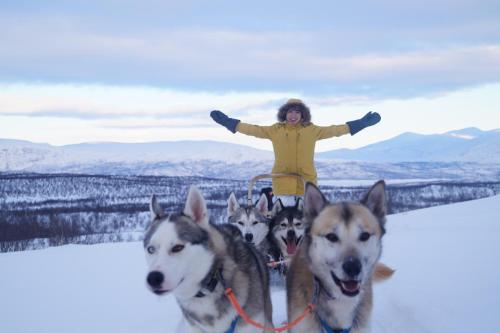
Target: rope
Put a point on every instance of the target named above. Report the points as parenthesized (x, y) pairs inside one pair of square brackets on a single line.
[(232, 298), (273, 264)]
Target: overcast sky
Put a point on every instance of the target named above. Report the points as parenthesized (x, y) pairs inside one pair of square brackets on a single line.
[(136, 71)]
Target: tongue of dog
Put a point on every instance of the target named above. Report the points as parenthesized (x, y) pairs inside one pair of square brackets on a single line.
[(350, 286), (291, 244)]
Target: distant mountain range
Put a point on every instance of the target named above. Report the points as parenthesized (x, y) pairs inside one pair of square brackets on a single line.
[(466, 145), (467, 153)]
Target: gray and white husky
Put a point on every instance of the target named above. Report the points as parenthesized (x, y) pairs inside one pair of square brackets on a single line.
[(196, 261), (337, 262), (252, 221)]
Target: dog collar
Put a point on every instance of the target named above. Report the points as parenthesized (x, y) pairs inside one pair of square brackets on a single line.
[(210, 281), (328, 329)]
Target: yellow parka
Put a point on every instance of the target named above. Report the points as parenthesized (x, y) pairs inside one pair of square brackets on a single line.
[(293, 150)]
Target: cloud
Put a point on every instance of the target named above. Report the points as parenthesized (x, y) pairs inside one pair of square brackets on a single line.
[(102, 102), (371, 56)]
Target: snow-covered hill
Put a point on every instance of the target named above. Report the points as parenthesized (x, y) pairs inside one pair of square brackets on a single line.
[(16, 155), (464, 154), (445, 281), (466, 145)]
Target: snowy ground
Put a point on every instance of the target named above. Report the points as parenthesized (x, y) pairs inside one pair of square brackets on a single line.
[(447, 280)]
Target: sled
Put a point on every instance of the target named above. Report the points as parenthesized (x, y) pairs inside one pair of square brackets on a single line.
[(252, 182)]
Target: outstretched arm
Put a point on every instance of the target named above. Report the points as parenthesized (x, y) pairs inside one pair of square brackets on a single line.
[(325, 132), (353, 127), (235, 125), (263, 132)]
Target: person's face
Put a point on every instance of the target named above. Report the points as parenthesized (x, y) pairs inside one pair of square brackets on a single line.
[(293, 117)]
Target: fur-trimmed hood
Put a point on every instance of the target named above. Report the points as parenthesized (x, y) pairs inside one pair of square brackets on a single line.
[(295, 103)]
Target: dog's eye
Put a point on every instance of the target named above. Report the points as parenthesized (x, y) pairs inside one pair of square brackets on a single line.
[(332, 237), (177, 248), (254, 222), (151, 249), (240, 223), (283, 225), (364, 236), (298, 224)]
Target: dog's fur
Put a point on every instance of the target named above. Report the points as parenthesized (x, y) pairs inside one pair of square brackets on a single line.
[(252, 221), (287, 228), (186, 254), (337, 261)]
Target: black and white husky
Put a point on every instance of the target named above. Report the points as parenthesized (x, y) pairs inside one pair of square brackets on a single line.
[(287, 228), (337, 262), (196, 261)]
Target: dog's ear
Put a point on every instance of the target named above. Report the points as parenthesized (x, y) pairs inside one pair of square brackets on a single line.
[(155, 208), (232, 204), (196, 208), (277, 207), (376, 200), (299, 204), (262, 205), (314, 201)]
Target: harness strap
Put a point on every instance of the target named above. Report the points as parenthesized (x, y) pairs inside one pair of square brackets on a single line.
[(233, 325), (210, 281), (232, 298), (328, 329)]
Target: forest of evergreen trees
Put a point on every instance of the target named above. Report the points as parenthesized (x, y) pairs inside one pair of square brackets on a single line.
[(40, 210)]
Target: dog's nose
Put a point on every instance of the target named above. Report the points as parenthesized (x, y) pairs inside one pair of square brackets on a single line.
[(290, 234), (155, 279), (352, 267), (249, 237)]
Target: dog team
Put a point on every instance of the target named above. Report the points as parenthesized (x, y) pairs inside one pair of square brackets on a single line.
[(219, 273)]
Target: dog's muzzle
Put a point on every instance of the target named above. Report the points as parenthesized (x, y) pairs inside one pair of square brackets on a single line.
[(352, 269), (249, 237), (155, 280), (291, 241)]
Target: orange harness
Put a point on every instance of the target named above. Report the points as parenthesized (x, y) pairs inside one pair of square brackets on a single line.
[(232, 298)]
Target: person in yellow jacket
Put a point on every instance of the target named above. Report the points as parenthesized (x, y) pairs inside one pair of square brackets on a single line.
[(294, 138)]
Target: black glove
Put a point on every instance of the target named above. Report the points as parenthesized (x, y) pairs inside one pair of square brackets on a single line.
[(221, 119), (369, 119)]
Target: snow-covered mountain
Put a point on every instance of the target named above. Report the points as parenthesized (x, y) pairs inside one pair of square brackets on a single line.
[(17, 155), (467, 153), (466, 145)]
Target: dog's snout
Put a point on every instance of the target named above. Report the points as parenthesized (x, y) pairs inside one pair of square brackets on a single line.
[(352, 267), (155, 279), (249, 237)]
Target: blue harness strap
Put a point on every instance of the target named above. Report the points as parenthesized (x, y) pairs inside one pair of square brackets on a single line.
[(328, 329), (233, 325)]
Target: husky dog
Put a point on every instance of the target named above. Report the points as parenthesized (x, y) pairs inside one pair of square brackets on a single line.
[(337, 261), (287, 228), (196, 261), (252, 221)]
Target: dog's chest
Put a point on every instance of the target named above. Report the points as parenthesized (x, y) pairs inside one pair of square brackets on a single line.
[(341, 312), (210, 314)]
